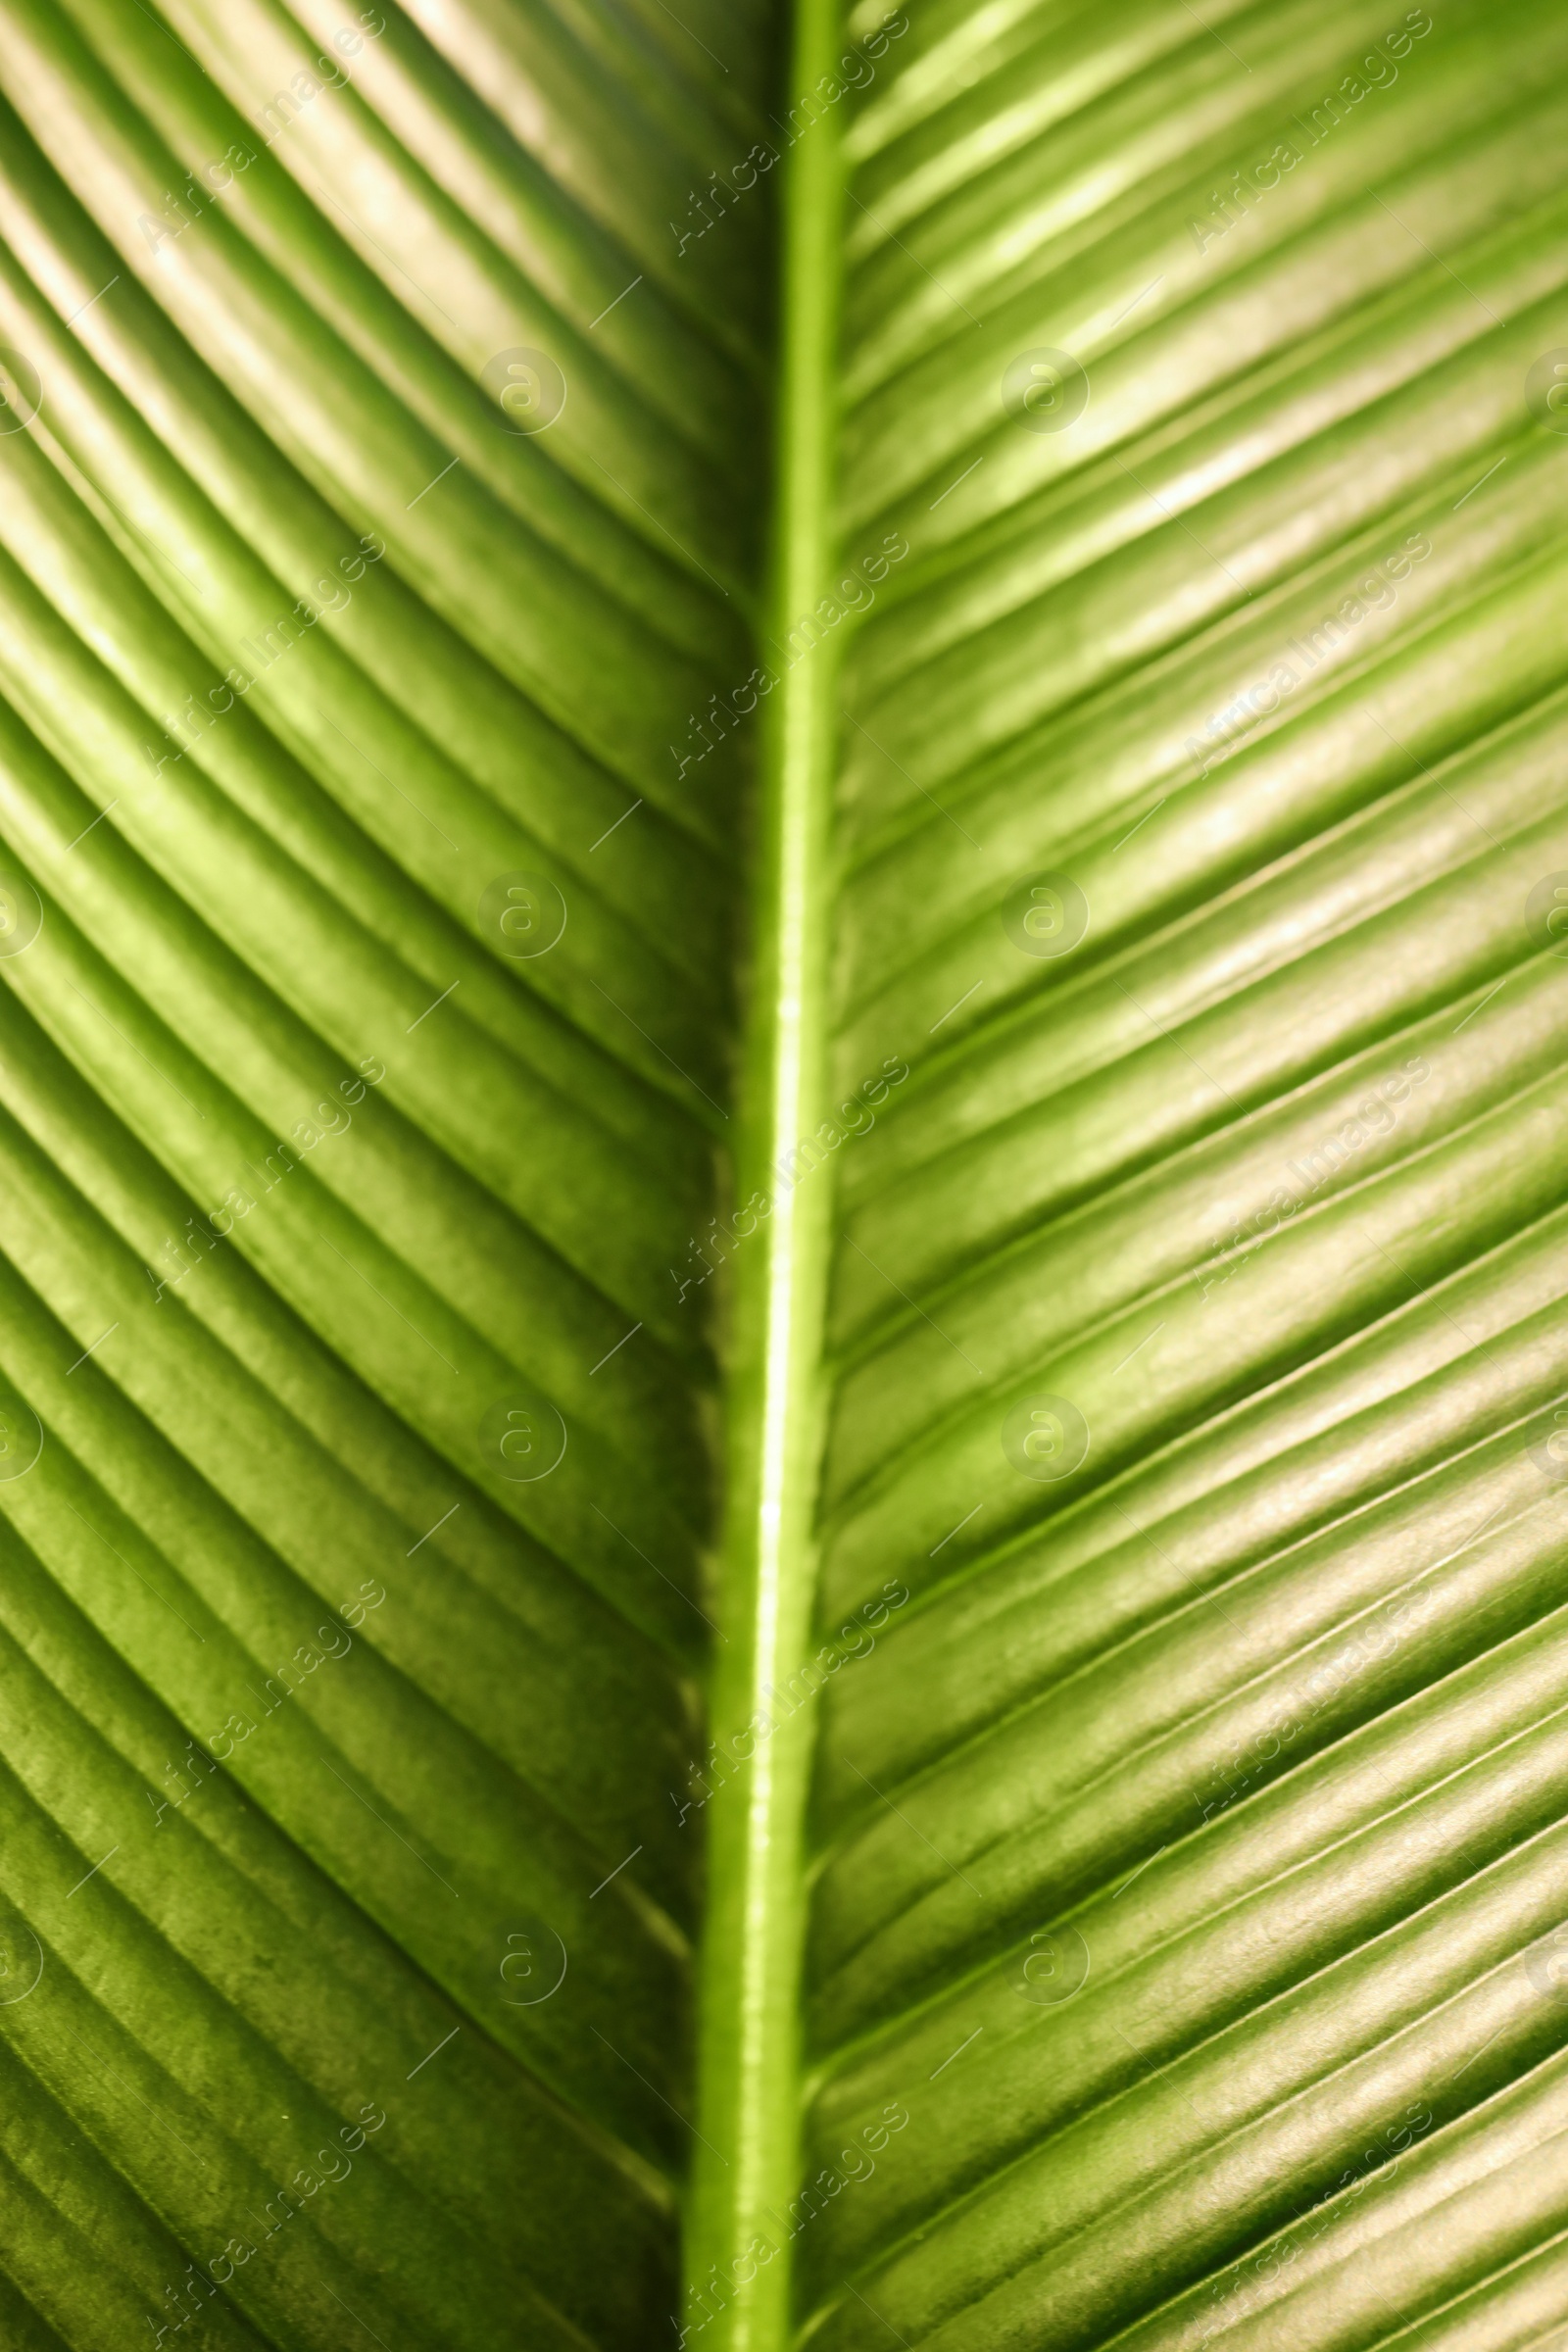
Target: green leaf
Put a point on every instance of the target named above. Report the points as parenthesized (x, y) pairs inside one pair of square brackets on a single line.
[(781, 1221)]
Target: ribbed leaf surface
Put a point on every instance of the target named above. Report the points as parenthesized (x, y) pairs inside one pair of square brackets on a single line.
[(420, 695), (1189, 1838), (338, 1190)]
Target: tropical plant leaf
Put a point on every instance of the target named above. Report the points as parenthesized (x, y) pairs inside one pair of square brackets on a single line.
[(1029, 1818), (1196, 1307), (333, 1207)]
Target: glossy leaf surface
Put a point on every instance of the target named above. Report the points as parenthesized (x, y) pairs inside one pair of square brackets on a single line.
[(782, 852)]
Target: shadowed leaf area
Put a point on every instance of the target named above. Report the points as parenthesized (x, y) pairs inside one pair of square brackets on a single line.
[(385, 515)]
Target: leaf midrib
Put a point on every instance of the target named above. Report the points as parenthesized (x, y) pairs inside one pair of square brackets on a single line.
[(749, 2080)]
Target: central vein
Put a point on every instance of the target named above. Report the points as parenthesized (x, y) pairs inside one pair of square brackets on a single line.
[(746, 2153)]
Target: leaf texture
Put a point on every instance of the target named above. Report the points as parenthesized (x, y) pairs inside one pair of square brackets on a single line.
[(1189, 1842), (339, 1184), (1029, 754)]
